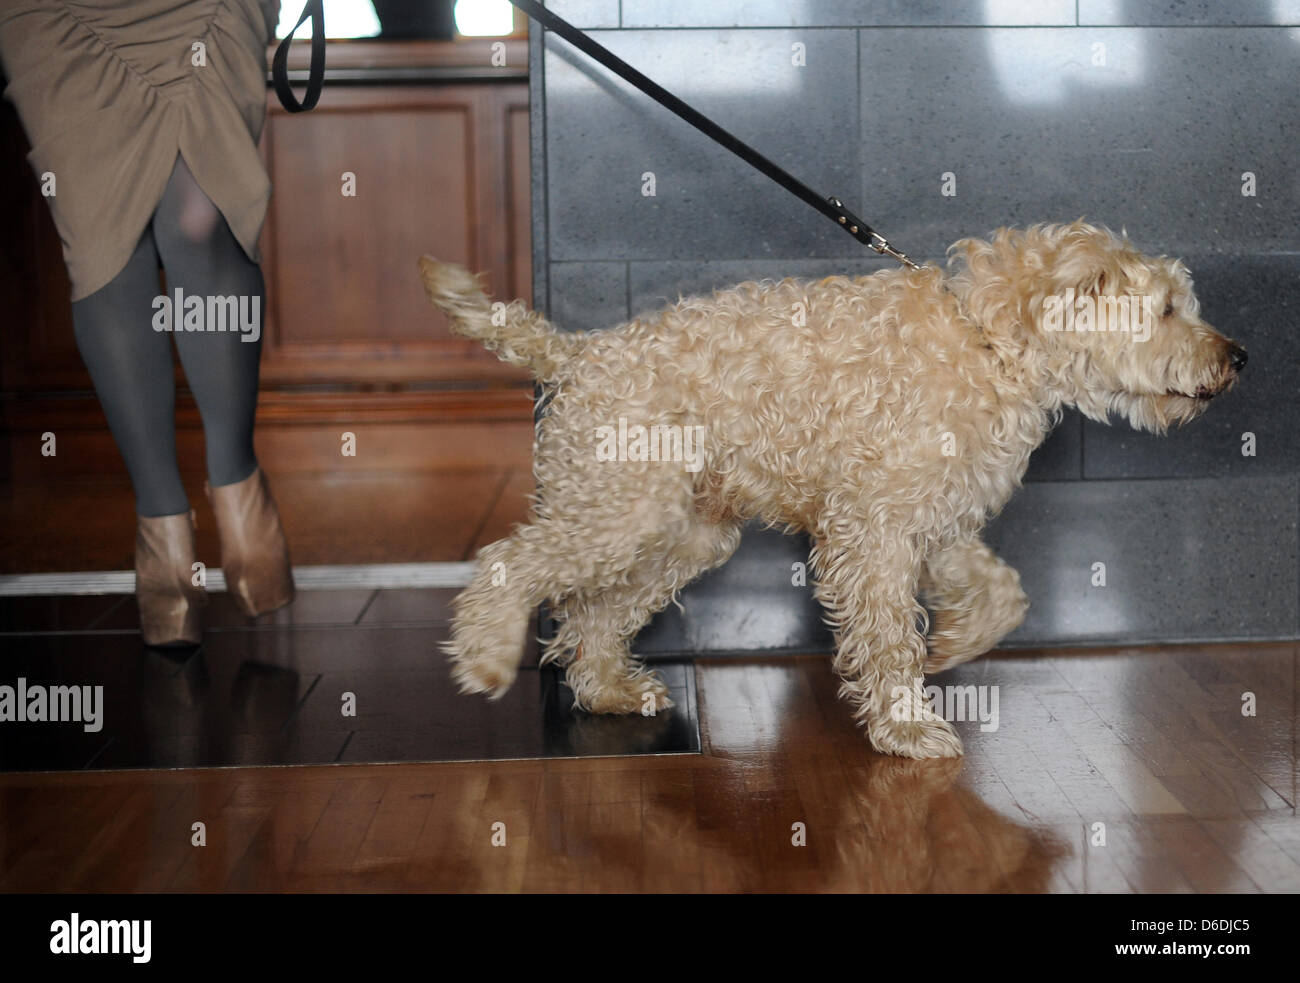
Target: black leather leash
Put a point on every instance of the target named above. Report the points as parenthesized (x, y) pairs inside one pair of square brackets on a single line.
[(832, 207), (314, 9)]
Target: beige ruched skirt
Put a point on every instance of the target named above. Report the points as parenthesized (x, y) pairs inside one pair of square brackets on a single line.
[(110, 91)]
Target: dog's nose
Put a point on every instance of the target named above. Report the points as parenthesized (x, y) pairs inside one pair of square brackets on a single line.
[(1237, 358)]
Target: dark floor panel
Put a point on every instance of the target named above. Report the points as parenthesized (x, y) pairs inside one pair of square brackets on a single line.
[(312, 607), (277, 696), (115, 661), (111, 663), (411, 648), (48, 747), (209, 698), (76, 613), (412, 606), (535, 719), (318, 650)]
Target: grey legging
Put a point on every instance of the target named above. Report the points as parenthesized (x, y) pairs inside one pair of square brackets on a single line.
[(131, 363)]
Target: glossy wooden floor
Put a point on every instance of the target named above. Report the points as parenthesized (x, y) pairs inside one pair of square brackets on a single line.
[(1146, 748)]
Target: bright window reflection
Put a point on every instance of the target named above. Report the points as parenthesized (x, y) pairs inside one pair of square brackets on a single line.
[(485, 18), (343, 19)]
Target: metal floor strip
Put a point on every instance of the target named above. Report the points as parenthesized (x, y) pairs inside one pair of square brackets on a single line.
[(363, 576)]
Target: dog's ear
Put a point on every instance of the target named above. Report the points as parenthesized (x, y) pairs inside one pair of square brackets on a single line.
[(1084, 273), (1083, 258), (1094, 283), (987, 279)]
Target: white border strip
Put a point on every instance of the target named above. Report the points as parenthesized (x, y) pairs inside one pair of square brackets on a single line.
[(366, 576)]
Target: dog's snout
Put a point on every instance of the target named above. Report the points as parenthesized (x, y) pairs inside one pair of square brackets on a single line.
[(1237, 357)]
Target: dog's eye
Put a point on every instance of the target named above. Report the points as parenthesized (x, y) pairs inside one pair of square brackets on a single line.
[(1169, 309)]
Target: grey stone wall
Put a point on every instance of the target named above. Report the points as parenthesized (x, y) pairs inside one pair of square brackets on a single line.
[(1141, 114)]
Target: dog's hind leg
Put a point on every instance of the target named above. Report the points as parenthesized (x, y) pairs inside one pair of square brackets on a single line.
[(976, 600), (596, 626), (867, 583), (593, 536), (595, 629), (547, 558)]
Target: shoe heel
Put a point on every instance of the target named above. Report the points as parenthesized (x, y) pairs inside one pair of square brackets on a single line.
[(254, 552), (171, 606)]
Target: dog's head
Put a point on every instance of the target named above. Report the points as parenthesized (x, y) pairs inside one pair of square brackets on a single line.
[(1105, 328)]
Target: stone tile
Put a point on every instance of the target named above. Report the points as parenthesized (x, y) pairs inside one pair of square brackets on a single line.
[(1060, 458), (1185, 560), (845, 13), (588, 296), (1156, 140), (585, 13), (1188, 13), (603, 136)]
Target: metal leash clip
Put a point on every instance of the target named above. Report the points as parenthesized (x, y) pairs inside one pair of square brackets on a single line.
[(881, 245), (866, 235)]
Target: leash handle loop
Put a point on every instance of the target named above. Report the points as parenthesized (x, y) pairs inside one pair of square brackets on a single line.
[(315, 9)]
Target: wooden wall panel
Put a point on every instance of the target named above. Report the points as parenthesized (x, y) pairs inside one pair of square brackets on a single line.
[(436, 172), (296, 432), (37, 348), (346, 271)]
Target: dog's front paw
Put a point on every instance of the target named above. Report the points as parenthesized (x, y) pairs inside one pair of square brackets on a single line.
[(960, 634), (929, 737), (943, 654), (953, 640), (486, 644), (481, 672)]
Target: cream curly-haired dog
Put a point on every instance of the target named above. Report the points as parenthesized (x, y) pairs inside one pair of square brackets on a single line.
[(889, 416)]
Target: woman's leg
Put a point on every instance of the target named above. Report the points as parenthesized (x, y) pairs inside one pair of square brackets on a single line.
[(202, 257), (131, 367)]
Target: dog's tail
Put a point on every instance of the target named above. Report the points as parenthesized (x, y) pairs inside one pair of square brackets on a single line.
[(515, 333)]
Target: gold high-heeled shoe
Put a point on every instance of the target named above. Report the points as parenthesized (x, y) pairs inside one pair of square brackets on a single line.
[(254, 553), (170, 604)]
